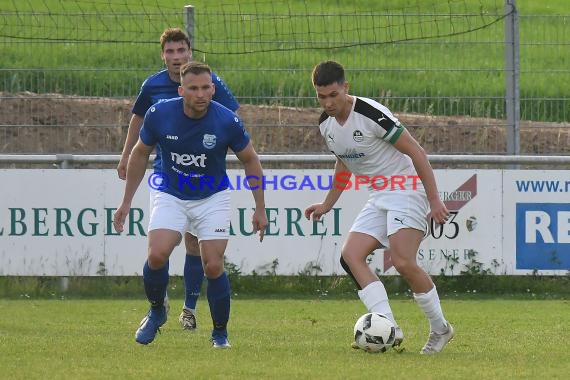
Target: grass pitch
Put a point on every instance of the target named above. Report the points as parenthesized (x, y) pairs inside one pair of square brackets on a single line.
[(280, 339)]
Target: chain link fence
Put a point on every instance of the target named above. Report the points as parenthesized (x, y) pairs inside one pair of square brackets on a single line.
[(440, 67)]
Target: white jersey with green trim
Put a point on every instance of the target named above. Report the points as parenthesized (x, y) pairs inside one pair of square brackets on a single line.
[(365, 143)]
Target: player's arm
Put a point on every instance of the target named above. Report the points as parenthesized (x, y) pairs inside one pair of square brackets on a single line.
[(340, 179), (133, 131), (136, 168), (254, 172), (409, 146)]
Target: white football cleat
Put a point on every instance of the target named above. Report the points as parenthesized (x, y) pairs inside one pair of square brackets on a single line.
[(398, 337), (436, 341)]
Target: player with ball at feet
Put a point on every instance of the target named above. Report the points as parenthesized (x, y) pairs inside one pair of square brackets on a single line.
[(368, 140)]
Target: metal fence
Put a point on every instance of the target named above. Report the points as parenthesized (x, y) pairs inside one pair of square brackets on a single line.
[(501, 86), (287, 161)]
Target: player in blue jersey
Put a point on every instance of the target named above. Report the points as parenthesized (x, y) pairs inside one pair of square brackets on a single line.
[(194, 133), (162, 85)]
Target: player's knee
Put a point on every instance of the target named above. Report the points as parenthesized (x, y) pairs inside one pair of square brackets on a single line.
[(348, 257), (213, 268), (157, 260), (403, 266)]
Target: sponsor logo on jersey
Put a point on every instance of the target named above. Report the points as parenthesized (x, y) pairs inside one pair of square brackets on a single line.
[(189, 159), (209, 141), (172, 137), (350, 154)]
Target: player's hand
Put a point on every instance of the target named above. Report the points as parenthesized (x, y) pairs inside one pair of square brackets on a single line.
[(259, 222), (122, 168), (120, 216), (316, 211), (439, 213)]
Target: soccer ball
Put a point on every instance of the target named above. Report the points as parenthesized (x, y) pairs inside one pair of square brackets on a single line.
[(373, 332)]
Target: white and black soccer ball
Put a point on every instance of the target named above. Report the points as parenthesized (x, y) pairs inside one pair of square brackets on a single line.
[(374, 332)]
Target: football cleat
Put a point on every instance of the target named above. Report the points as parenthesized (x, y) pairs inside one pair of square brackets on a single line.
[(188, 320), (437, 341), (220, 340), (167, 304), (398, 337), (150, 325)]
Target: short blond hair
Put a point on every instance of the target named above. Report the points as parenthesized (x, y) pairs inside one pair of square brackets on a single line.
[(195, 67)]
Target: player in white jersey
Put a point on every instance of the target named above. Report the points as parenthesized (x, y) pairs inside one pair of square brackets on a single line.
[(369, 142)]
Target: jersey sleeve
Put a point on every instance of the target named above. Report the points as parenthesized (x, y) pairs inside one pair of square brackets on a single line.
[(143, 101), (393, 133), (223, 95), (240, 137), (385, 125), (148, 133)]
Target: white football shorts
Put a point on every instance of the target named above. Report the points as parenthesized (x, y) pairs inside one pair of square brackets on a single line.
[(389, 211), (207, 219)]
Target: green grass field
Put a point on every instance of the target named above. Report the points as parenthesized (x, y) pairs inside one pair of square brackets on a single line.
[(280, 339), (406, 60)]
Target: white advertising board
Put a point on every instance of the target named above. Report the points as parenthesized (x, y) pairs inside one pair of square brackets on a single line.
[(59, 222), (294, 244), (473, 233)]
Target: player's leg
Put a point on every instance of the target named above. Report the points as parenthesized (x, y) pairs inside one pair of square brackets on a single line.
[(152, 194), (404, 242), (404, 245), (167, 222), (368, 232), (371, 290), (193, 278), (346, 268), (210, 220), (161, 243), (155, 278), (218, 290), (355, 250)]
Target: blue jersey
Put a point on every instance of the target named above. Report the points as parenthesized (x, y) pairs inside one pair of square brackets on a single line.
[(193, 151), (159, 87)]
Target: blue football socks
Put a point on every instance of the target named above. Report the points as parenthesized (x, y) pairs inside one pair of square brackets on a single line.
[(193, 278), (219, 299), (155, 283)]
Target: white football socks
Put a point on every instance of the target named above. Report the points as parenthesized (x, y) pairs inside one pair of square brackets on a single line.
[(429, 303), (375, 299)]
